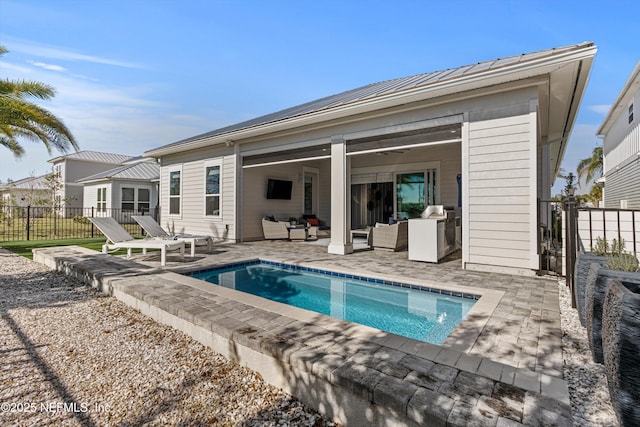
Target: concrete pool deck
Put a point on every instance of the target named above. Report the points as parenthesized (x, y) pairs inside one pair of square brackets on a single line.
[(501, 366)]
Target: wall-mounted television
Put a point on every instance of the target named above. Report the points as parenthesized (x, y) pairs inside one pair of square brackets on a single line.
[(279, 189)]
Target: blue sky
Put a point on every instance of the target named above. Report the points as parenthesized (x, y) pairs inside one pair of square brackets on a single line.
[(137, 74)]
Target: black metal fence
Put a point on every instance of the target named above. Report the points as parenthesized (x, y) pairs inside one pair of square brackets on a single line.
[(551, 238), (587, 228), (608, 224), (48, 223)]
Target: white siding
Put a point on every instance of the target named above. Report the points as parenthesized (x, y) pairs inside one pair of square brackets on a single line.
[(192, 218), (624, 150), (500, 176), (74, 170), (621, 149), (90, 195)]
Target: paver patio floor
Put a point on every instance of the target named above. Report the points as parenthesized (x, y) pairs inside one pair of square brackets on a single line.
[(523, 331)]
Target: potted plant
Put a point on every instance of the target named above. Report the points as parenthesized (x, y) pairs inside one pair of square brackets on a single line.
[(584, 274), (618, 265), (621, 347)]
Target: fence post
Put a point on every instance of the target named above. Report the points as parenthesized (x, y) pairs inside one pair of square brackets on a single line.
[(28, 222), (92, 213), (571, 241)]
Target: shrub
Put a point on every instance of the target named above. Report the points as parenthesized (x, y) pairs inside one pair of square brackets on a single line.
[(601, 247), (619, 259), (81, 219), (623, 262)]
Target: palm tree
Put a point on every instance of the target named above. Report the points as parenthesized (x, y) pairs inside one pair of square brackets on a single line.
[(20, 118), (591, 166)]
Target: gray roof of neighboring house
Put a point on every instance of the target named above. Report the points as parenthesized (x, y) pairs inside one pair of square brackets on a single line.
[(93, 156), (383, 88), (31, 183), (142, 171)]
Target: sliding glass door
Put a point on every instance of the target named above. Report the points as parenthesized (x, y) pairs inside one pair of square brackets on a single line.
[(414, 192)]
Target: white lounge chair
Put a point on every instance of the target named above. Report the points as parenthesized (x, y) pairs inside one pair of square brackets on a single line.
[(118, 238), (155, 231)]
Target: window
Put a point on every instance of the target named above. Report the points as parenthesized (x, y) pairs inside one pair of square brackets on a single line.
[(144, 198), (212, 190), (128, 199), (174, 192), (102, 199), (414, 192), (631, 113), (130, 202)]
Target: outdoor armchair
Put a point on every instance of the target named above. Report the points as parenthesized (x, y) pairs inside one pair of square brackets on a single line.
[(393, 237), (275, 229)]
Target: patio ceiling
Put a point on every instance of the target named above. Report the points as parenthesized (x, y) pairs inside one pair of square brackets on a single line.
[(409, 139), (372, 144), (316, 152)]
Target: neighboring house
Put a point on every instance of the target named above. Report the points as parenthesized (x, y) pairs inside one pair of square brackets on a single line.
[(32, 191), (130, 189), (621, 147), (72, 167), (499, 128)]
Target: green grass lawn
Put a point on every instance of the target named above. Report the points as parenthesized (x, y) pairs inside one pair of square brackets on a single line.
[(23, 248)]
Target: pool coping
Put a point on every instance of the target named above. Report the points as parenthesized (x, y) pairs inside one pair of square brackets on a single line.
[(348, 394), (461, 339)]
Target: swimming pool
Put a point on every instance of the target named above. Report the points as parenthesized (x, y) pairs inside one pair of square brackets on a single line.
[(424, 314)]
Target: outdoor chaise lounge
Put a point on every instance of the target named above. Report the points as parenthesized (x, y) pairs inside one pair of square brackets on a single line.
[(155, 231), (118, 238)]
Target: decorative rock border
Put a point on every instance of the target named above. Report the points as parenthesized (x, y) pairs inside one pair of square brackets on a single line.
[(621, 346)]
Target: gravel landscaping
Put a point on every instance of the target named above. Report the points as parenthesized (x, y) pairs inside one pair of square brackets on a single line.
[(590, 402), (70, 355)]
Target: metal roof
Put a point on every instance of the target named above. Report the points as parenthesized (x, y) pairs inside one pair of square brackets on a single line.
[(142, 171), (93, 156), (384, 88), (31, 183)]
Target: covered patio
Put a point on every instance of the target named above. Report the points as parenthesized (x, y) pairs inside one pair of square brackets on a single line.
[(392, 174)]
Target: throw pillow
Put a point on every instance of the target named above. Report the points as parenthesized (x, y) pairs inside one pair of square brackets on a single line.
[(314, 222)]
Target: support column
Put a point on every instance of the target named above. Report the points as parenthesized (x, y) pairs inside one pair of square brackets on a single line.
[(340, 198)]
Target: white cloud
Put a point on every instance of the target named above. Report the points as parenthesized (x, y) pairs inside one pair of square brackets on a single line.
[(65, 54), (16, 68), (601, 109), (50, 67)]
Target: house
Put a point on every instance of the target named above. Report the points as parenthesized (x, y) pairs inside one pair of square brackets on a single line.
[(486, 139), (32, 191), (620, 131), (71, 167), (130, 189)]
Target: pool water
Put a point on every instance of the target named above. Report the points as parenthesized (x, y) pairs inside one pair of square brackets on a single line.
[(390, 306)]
